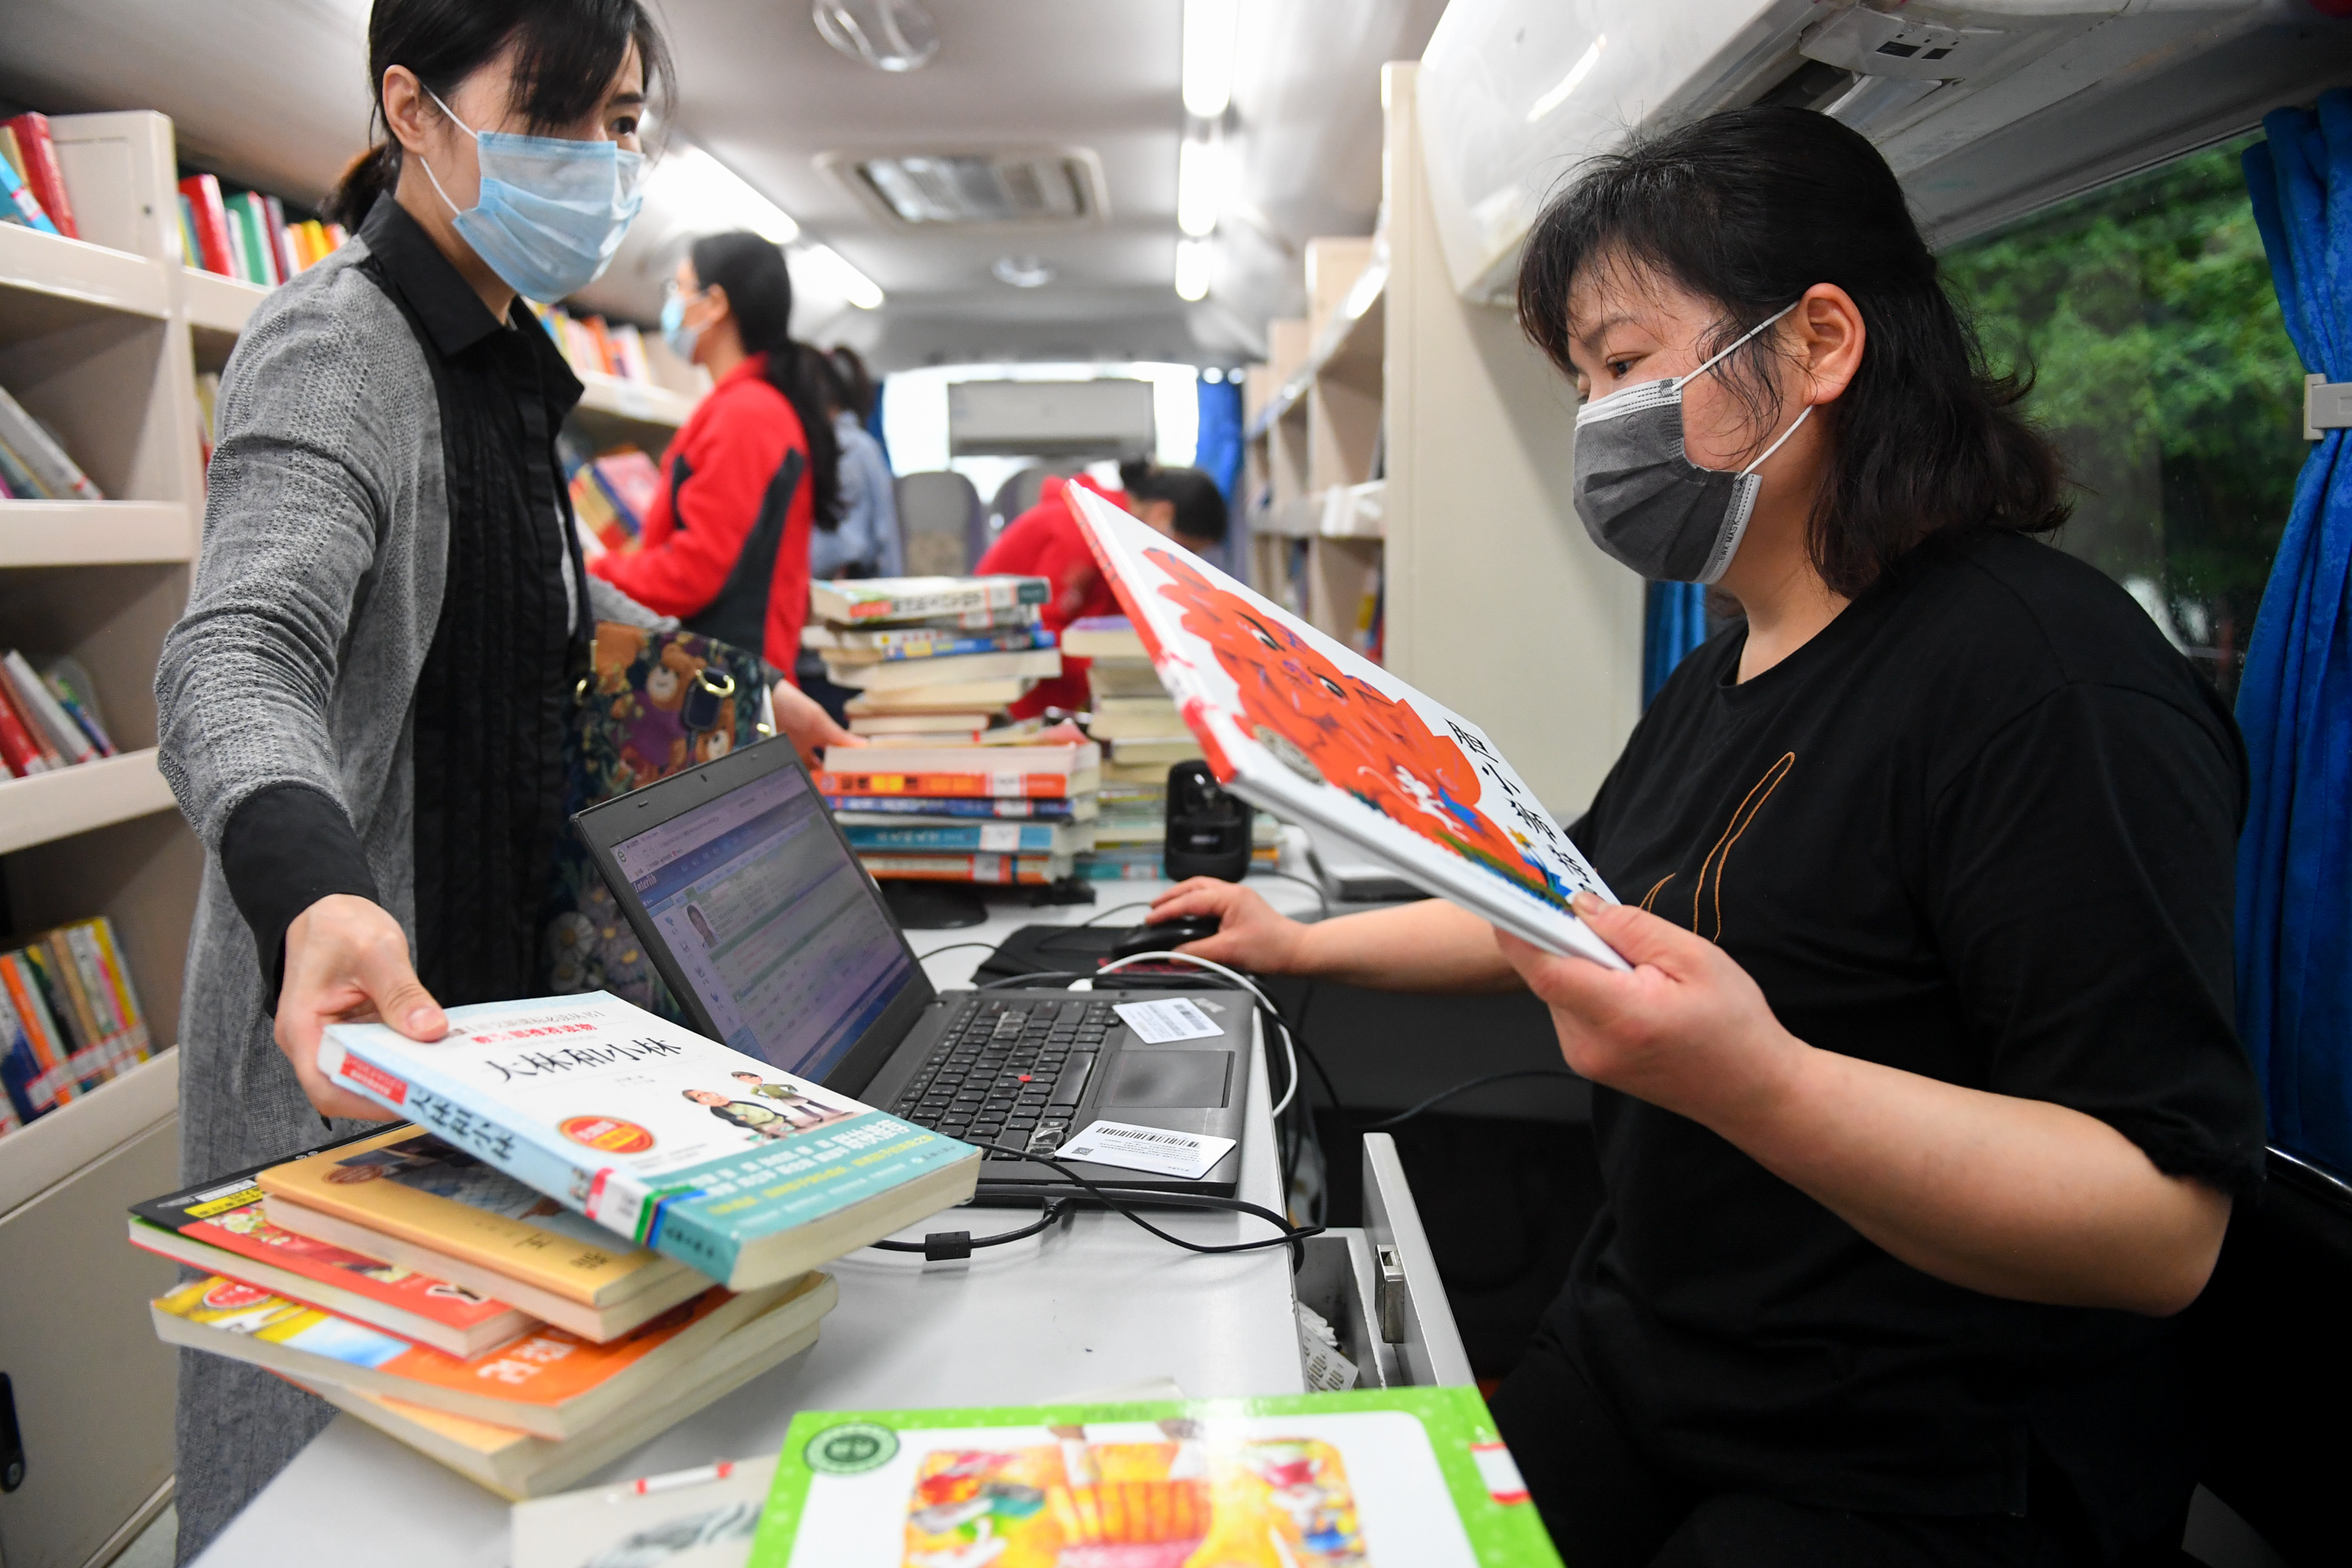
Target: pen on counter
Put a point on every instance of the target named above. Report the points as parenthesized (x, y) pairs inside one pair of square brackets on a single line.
[(645, 1486)]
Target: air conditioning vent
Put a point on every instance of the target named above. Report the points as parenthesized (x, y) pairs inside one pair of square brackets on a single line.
[(1055, 185)]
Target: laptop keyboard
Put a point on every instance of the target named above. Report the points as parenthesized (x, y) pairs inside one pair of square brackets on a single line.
[(1010, 1070)]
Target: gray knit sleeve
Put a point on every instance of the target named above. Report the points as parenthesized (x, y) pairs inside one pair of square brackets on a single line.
[(329, 440)]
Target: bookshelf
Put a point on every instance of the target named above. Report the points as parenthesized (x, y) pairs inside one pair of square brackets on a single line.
[(614, 411)]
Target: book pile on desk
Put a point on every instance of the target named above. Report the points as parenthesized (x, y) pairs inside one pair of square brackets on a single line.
[(948, 789), (598, 1222), (69, 1020), (1142, 736)]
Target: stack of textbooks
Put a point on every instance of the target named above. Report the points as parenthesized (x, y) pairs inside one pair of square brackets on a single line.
[(69, 1020), (33, 464), (1412, 1476), (611, 495), (49, 718), (596, 1224), (947, 789), (247, 236), (1143, 737)]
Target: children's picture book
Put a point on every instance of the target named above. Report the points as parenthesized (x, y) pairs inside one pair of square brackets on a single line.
[(550, 1383), (1410, 1478), (220, 1228), (677, 1143), (1310, 730)]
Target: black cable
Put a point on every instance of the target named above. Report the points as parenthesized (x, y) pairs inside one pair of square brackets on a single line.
[(947, 1246), (1114, 908), (1322, 900), (953, 946), (1445, 1094), (1291, 1235)]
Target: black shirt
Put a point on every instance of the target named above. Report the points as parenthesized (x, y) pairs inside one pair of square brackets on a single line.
[(1981, 827), (493, 696)]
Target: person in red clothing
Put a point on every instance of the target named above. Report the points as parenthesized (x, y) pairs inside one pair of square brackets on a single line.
[(753, 471), (1046, 542)]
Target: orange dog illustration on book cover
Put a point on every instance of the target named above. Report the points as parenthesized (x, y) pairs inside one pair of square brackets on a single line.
[(1301, 706), (1183, 1502)]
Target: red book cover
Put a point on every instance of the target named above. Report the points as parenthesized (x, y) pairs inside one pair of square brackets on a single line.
[(41, 170), (1007, 785), (203, 194), (17, 745), (631, 480)]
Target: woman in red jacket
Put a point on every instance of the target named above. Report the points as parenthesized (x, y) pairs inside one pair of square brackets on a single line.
[(726, 546), (1046, 542)]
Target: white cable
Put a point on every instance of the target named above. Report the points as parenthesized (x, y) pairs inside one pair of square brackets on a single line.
[(1289, 1051)]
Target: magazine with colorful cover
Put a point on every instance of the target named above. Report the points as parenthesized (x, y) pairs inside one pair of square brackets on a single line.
[(1409, 1476), (709, 1156), (1309, 729)]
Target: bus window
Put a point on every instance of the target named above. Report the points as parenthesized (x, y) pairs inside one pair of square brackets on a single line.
[(2144, 313)]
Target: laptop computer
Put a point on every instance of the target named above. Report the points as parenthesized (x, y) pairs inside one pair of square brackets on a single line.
[(777, 942)]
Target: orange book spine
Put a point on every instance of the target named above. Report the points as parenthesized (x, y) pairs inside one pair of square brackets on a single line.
[(981, 787), (39, 1027)]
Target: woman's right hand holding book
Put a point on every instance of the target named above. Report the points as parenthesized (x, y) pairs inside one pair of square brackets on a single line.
[(347, 961)]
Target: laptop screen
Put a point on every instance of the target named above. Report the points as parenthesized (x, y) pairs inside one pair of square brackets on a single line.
[(774, 923)]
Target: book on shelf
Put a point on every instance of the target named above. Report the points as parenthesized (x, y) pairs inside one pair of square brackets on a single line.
[(677, 1143), (858, 601), (21, 748), (40, 458), (900, 675), (516, 1465), (32, 700), (1066, 808), (703, 1517), (205, 220), (69, 1017), (406, 1197), (70, 684), (949, 697), (920, 643), (1299, 724), (219, 1227), (549, 1383), (989, 870), (32, 151), (19, 204), (1412, 1476), (880, 834)]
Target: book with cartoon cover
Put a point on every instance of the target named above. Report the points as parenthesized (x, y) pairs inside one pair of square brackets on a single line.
[(1309, 729), (703, 1154), (1410, 1478)]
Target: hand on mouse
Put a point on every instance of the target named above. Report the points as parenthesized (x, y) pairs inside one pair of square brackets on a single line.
[(1251, 936)]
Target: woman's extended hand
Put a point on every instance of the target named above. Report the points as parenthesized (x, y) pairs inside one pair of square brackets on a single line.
[(347, 961), (1686, 1029), (800, 719), (1250, 934)]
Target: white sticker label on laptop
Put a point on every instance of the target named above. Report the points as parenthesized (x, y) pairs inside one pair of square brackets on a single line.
[(1166, 1022), (1186, 1156)]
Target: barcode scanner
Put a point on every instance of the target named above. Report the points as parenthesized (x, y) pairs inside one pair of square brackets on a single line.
[(1208, 829)]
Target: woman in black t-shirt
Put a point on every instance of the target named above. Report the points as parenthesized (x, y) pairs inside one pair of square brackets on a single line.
[(1922, 1107)]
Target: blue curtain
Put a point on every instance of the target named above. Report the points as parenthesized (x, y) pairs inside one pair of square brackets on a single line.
[(1219, 454), (2294, 700), (1674, 622)]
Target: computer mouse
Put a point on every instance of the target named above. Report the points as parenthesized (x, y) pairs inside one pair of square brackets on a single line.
[(1167, 936)]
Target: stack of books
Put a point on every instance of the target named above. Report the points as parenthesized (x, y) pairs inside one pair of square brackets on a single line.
[(1143, 737), (33, 464), (69, 1020), (592, 344), (598, 1223), (947, 789), (247, 236), (49, 718)]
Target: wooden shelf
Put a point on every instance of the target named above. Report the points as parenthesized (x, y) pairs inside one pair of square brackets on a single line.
[(1358, 316), (72, 277), (73, 800), (42, 1154), (93, 533), (637, 402), (218, 304)]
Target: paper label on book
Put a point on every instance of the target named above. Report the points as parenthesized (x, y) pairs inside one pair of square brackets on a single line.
[(999, 835), (1187, 1156), (1166, 1021)]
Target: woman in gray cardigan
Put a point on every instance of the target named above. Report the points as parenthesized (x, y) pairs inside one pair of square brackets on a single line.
[(363, 711)]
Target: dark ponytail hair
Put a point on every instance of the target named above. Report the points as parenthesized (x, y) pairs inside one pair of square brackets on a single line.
[(759, 293), (1200, 505), (567, 53), (856, 382), (1749, 209)]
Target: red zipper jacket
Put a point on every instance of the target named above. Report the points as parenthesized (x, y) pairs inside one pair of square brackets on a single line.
[(1046, 542), (726, 545)]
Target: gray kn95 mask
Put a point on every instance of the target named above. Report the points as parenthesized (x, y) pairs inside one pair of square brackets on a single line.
[(1643, 501)]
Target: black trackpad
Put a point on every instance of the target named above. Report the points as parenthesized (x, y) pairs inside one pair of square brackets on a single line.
[(1195, 1078)]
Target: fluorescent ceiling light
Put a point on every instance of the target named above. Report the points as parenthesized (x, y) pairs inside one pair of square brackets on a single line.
[(707, 198), (1569, 83), (888, 34), (1201, 173), (1192, 268), (829, 270), (1022, 271), (1208, 28)]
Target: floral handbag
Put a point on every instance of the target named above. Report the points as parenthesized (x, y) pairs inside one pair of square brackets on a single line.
[(651, 703)]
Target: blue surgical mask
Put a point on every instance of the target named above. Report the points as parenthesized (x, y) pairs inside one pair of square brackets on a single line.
[(681, 337), (552, 212)]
